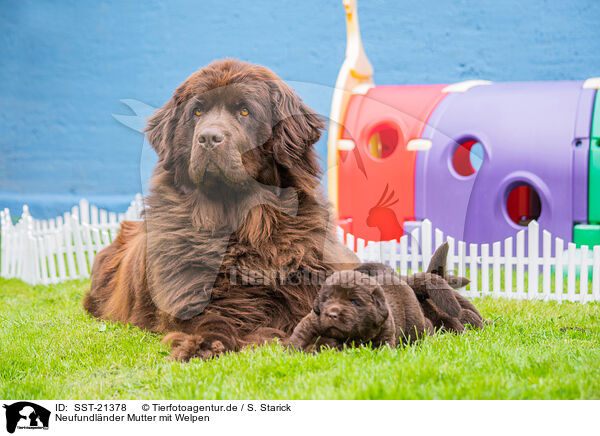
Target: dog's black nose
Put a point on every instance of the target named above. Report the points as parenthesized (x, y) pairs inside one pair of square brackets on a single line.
[(210, 138)]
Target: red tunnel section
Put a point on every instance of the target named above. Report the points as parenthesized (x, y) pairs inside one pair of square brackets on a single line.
[(377, 178)]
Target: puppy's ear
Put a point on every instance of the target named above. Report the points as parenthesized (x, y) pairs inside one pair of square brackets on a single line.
[(296, 129), (160, 129), (437, 264), (418, 283), (317, 305), (457, 282), (381, 307), (374, 269)]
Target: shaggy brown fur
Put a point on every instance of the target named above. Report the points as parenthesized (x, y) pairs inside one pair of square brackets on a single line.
[(369, 305), (234, 197)]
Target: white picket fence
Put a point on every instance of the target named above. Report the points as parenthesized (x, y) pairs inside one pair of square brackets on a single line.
[(51, 251), (501, 269)]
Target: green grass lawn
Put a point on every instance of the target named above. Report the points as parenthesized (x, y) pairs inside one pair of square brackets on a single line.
[(50, 349)]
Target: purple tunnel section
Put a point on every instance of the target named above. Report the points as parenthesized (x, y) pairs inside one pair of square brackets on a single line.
[(529, 133)]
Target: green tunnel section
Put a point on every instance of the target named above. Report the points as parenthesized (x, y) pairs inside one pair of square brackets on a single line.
[(594, 179), (589, 233), (586, 234)]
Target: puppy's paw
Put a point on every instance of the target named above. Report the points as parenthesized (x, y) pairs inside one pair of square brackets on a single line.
[(324, 343), (429, 328), (471, 318), (452, 325), (185, 347)]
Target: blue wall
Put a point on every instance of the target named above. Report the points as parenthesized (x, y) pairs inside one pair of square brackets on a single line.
[(65, 66)]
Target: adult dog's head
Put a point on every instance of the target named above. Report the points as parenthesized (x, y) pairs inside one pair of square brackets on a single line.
[(231, 124)]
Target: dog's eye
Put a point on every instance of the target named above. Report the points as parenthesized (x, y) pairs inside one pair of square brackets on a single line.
[(198, 112), (353, 302), (244, 112)]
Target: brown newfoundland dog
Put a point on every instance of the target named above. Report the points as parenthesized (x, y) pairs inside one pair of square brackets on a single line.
[(236, 236)]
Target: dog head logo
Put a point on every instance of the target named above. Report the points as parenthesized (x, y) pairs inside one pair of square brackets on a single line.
[(26, 415)]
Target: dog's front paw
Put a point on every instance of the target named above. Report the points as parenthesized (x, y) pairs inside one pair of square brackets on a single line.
[(185, 347), (324, 343), (469, 317)]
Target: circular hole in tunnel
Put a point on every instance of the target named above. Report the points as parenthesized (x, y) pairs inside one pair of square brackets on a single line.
[(523, 204), (468, 157), (383, 140)]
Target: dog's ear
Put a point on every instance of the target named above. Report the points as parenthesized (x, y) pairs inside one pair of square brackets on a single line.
[(296, 129), (437, 264), (381, 306), (375, 269), (160, 129), (457, 282), (317, 305), (418, 283)]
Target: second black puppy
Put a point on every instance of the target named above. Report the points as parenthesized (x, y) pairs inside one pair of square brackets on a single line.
[(353, 307)]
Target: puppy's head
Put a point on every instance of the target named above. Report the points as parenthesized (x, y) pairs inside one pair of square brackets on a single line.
[(232, 122), (351, 305)]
